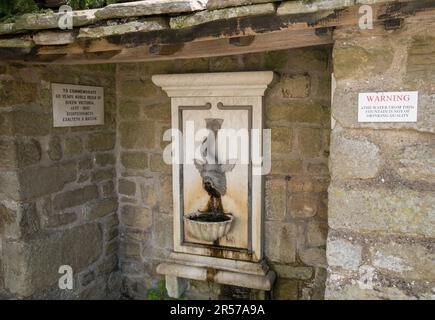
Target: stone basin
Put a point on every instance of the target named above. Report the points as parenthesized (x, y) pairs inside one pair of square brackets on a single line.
[(206, 230)]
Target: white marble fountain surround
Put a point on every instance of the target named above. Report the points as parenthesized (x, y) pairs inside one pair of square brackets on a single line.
[(237, 98)]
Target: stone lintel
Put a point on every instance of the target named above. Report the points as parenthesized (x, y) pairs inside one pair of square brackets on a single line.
[(254, 268), (219, 84)]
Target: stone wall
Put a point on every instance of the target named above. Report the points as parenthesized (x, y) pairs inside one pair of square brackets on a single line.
[(57, 196), (297, 109), (381, 199)]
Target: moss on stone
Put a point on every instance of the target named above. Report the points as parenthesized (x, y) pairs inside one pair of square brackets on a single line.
[(356, 62), (16, 43), (275, 60), (221, 14)]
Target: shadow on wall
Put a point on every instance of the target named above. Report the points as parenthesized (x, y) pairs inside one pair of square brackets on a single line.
[(297, 109)]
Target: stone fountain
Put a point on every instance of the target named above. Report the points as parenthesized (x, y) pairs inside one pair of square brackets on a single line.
[(212, 223), (218, 227)]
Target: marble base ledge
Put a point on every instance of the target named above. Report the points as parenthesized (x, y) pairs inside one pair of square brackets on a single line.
[(177, 274)]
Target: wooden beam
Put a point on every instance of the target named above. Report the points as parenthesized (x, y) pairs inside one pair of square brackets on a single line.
[(165, 49), (242, 41), (212, 48)]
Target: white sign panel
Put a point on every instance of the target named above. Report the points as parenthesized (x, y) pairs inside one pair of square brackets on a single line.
[(75, 105), (388, 106)]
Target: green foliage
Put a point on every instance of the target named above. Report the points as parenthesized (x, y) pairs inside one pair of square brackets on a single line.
[(91, 4), (11, 8), (159, 292)]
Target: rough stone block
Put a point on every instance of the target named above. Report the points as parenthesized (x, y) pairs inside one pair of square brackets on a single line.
[(291, 111), (354, 62), (136, 217), (129, 89), (102, 208), (276, 60), (9, 184), (316, 234), (101, 141), (61, 219), (221, 14), (73, 146), (158, 165), (134, 160), (165, 188), (129, 109), (19, 152), (54, 37), (103, 174), (421, 64), (111, 247), (153, 7), (22, 221), (285, 289), (412, 261), (312, 59), (163, 231), (281, 242), (7, 154), (85, 164), (353, 157), (318, 169), (37, 181), (28, 152), (137, 134), (149, 194), (13, 93), (50, 20), (75, 197), (150, 24), (354, 292), (55, 151), (276, 199), (32, 265), (282, 140), (126, 187), (295, 86), (315, 257), (310, 141), (303, 204), (397, 211), (7, 217), (290, 272), (160, 112), (108, 265), (343, 253), (131, 250), (25, 123), (417, 163), (107, 189), (224, 64), (286, 167), (105, 159)]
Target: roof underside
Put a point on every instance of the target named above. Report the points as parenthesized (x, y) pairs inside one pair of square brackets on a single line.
[(170, 29)]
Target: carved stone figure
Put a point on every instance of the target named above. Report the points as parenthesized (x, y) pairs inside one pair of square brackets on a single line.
[(213, 174)]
